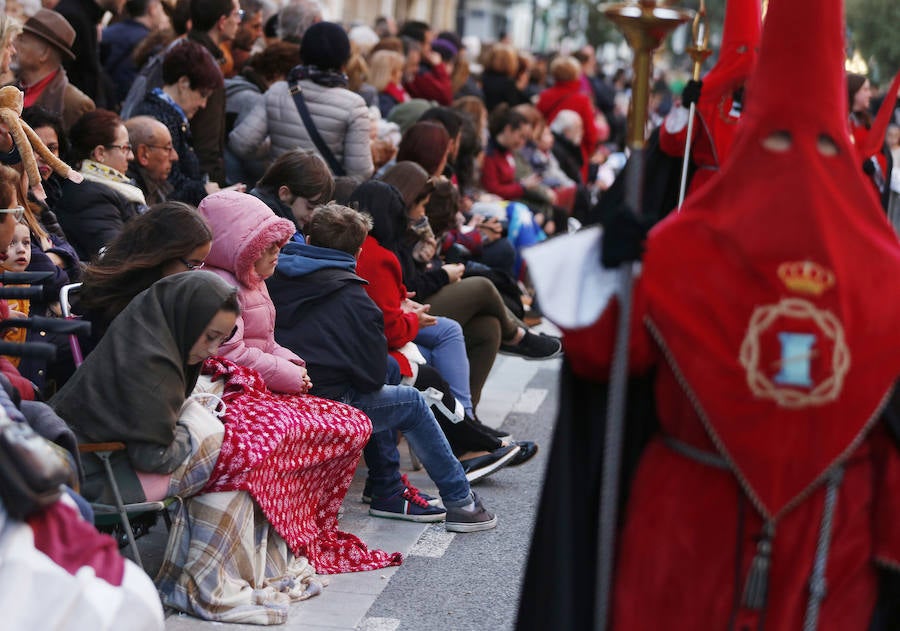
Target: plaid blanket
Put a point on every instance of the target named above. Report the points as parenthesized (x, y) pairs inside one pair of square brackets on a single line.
[(223, 561), (296, 456)]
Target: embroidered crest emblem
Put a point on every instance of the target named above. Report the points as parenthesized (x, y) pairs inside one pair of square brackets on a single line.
[(795, 354)]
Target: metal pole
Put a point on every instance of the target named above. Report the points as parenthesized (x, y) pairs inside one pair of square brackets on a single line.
[(698, 52), (645, 23)]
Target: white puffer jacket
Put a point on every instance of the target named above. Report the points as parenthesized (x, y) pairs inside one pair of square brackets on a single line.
[(340, 116)]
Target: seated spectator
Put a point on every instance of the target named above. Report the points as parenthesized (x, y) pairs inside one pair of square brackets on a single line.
[(93, 213), (58, 571), (10, 27), (243, 92), (567, 94), (46, 39), (499, 78), (474, 302), (429, 79), (386, 75), (249, 32), (427, 144), (17, 258), (567, 130), (135, 388), (121, 38), (294, 185), (440, 340), (315, 288), (154, 155), (339, 115), (452, 121), (189, 77), (322, 440), (169, 238)]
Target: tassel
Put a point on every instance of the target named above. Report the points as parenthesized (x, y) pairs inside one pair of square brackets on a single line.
[(757, 586)]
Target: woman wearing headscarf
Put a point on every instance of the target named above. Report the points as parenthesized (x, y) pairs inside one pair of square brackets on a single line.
[(136, 387)]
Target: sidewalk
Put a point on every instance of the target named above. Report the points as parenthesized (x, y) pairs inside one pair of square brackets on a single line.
[(344, 603)]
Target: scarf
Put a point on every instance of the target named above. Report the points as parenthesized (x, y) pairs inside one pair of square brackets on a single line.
[(116, 180), (132, 386), (324, 78)]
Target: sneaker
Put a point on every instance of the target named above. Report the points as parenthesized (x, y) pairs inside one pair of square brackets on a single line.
[(367, 492), (461, 520), (483, 466), (533, 346), (407, 506), (527, 451)]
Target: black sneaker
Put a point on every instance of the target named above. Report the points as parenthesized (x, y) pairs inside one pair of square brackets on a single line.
[(483, 466), (407, 506), (527, 451), (496, 433), (460, 520), (533, 346), (367, 492)]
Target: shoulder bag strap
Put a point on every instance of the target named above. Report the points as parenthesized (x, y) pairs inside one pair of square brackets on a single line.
[(314, 135)]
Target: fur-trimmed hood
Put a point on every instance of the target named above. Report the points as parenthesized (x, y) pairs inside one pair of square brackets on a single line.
[(243, 227)]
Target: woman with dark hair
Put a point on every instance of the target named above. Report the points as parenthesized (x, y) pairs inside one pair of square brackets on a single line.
[(474, 302), (340, 116), (189, 77), (877, 166), (427, 144), (294, 185), (93, 213), (170, 237)]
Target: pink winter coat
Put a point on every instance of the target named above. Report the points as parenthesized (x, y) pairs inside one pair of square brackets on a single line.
[(243, 227)]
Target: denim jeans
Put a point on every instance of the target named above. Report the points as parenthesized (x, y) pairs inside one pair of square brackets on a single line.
[(402, 408), (444, 347)]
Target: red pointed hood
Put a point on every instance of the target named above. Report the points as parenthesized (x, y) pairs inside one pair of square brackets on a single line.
[(768, 291), (739, 49)]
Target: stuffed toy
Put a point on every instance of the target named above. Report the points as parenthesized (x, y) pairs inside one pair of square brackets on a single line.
[(27, 142)]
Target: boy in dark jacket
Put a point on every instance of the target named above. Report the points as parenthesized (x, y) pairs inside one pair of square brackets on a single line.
[(323, 313)]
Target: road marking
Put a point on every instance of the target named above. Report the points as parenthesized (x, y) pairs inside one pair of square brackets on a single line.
[(433, 543), (379, 624), (530, 401)]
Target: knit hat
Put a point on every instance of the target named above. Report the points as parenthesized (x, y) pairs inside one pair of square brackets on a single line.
[(326, 46), (445, 48)]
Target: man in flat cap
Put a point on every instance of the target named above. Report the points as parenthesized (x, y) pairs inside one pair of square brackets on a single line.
[(45, 40)]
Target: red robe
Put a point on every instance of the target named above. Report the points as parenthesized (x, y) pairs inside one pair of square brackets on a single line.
[(567, 95)]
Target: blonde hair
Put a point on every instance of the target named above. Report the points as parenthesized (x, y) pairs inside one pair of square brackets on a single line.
[(10, 27), (565, 69), (502, 59), (357, 71), (382, 65)]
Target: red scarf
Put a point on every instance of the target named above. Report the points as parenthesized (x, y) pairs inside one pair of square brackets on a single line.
[(33, 92)]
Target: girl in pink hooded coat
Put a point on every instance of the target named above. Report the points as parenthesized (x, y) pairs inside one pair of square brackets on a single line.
[(268, 432)]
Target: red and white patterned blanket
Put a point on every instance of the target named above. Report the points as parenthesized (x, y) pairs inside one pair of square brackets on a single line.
[(296, 455)]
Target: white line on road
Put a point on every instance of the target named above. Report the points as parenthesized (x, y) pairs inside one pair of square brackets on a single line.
[(530, 401), (379, 624), (433, 543)]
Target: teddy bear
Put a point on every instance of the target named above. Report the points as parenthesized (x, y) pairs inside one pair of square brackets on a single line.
[(27, 142)]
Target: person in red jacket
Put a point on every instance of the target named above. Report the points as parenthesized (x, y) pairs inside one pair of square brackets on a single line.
[(567, 94), (431, 81)]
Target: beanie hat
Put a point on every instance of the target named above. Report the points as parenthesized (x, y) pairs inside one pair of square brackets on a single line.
[(326, 46), (445, 48)]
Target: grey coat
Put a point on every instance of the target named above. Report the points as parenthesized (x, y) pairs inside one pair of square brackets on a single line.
[(340, 116)]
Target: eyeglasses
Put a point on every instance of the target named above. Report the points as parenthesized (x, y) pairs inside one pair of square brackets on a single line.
[(240, 13), (192, 265), (17, 212), (123, 148), (167, 148)]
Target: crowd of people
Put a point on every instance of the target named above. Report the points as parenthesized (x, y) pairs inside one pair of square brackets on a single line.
[(320, 231), (293, 243)]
